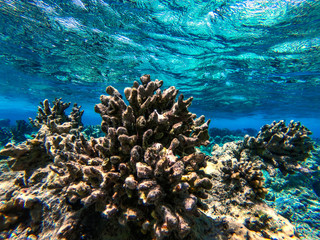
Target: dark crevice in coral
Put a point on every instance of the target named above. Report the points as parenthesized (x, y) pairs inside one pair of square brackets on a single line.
[(76, 205), (17, 217)]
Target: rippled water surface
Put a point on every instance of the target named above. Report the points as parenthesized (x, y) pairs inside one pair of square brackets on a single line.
[(244, 60)]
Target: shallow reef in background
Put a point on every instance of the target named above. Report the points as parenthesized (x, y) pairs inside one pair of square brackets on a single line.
[(144, 176), (297, 196)]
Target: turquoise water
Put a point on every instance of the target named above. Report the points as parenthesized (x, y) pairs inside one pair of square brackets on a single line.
[(246, 63)]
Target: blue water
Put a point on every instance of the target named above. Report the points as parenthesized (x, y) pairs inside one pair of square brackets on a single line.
[(246, 62)]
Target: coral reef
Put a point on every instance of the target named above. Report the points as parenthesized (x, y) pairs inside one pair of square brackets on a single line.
[(136, 173), (282, 146), (247, 169), (20, 130), (21, 208), (223, 135), (146, 178), (55, 118), (161, 190), (167, 186), (275, 147), (239, 177), (294, 196), (17, 133)]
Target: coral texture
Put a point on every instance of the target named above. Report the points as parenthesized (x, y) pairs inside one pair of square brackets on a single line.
[(145, 177), (282, 146), (247, 169), (275, 147), (151, 160), (55, 118), (236, 198), (145, 172), (239, 174), (23, 210)]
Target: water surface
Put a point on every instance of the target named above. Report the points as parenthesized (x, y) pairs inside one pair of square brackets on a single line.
[(250, 60)]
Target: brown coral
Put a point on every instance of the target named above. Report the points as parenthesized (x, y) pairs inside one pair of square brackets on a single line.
[(145, 172), (151, 144), (245, 172), (282, 146), (276, 146), (55, 118), (239, 174), (144, 175)]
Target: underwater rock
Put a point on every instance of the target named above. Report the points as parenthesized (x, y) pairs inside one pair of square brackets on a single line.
[(145, 177)]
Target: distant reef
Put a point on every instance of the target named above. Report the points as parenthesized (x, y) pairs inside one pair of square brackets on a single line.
[(224, 135), (146, 178), (15, 134)]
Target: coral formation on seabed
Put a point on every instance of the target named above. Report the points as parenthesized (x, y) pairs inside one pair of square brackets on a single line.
[(17, 133), (145, 178), (296, 196), (282, 146), (239, 181)]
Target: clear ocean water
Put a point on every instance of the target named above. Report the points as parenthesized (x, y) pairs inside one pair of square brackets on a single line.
[(245, 62)]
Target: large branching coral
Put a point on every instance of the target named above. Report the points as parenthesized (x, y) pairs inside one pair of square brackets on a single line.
[(146, 171), (151, 164)]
